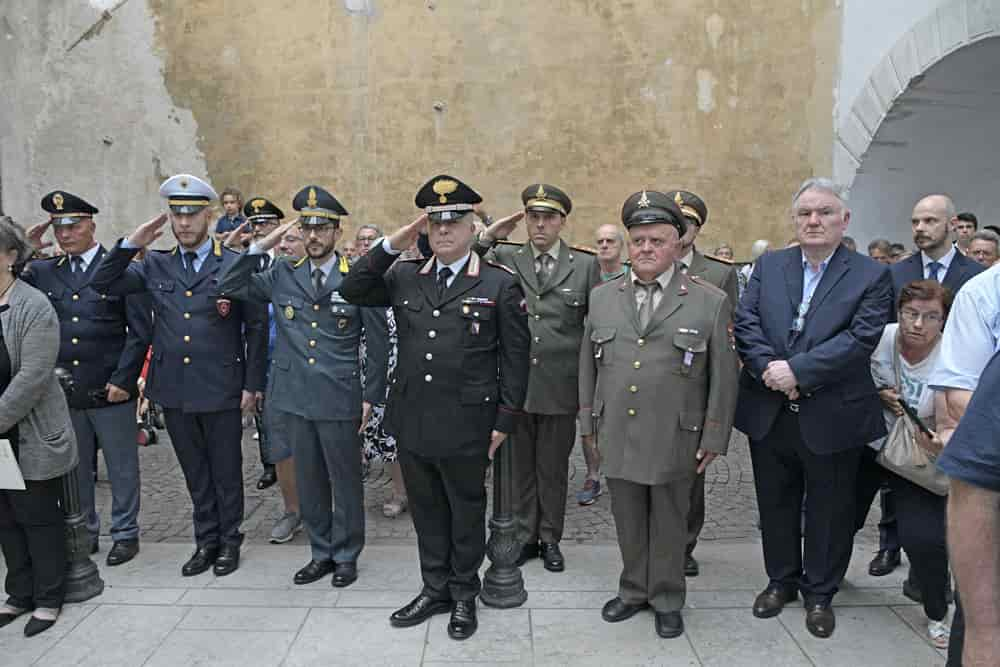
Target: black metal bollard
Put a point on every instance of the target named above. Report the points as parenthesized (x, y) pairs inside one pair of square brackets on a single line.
[(83, 581), (503, 585)]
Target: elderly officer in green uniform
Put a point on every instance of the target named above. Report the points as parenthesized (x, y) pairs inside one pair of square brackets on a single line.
[(714, 271), (557, 280), (316, 378), (458, 390), (658, 390)]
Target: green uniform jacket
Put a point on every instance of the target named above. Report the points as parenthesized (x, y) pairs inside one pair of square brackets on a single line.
[(556, 313), (717, 272), (655, 396)]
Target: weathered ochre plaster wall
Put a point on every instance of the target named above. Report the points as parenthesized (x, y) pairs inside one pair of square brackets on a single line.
[(730, 98)]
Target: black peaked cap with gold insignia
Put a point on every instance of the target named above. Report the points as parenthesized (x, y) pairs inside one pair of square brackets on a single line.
[(66, 208), (446, 198), (318, 207), (545, 197), (691, 205), (649, 207), (259, 209)]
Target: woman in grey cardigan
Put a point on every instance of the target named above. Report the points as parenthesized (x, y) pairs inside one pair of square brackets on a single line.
[(34, 417)]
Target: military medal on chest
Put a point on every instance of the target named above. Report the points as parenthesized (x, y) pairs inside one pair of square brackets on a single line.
[(289, 313)]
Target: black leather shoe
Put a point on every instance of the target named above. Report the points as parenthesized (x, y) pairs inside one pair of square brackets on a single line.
[(267, 479), (885, 561), (313, 571), (771, 601), (202, 559), (463, 621), (345, 574), (37, 626), (690, 566), (552, 557), (669, 624), (419, 610), (122, 552), (228, 560), (820, 620), (528, 551), (616, 610), (7, 619)]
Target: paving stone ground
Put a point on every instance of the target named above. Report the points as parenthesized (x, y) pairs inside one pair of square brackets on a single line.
[(166, 507)]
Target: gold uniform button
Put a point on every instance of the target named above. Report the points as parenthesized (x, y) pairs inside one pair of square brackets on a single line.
[(312, 343), (76, 297), (188, 293), (428, 377), (432, 334), (187, 360), (641, 342), (429, 356), (76, 341), (636, 364), (633, 389), (311, 361), (76, 362), (315, 324), (187, 339), (187, 316), (538, 297), (534, 361), (436, 313), (538, 317), (631, 412), (315, 306), (76, 319), (537, 339)]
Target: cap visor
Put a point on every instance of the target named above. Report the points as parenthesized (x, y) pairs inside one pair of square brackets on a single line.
[(186, 209), (58, 221), (317, 221)]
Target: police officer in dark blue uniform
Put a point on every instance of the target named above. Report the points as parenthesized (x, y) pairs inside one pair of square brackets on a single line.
[(208, 360), (103, 342), (458, 392)]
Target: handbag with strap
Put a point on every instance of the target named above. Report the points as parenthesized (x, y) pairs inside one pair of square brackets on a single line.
[(902, 455)]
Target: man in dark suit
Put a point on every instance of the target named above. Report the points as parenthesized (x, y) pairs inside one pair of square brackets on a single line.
[(103, 342), (208, 360), (458, 391), (932, 220), (806, 326)]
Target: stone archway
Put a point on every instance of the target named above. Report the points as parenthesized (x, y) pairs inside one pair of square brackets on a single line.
[(900, 120)]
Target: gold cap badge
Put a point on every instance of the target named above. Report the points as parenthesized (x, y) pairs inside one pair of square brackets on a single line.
[(678, 199), (311, 201), (643, 201), (443, 188), (540, 192), (257, 205), (57, 199)]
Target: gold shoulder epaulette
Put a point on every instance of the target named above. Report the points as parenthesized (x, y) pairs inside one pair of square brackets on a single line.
[(501, 266), (300, 262), (720, 260), (585, 249)]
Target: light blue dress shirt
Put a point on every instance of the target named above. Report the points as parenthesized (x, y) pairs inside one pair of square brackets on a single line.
[(971, 334)]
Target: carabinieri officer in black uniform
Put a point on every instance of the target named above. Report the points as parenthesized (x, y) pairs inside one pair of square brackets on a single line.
[(103, 342), (459, 388), (208, 360)]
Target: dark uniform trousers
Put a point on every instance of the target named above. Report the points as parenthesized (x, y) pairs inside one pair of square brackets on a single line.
[(33, 538), (873, 478), (542, 445), (207, 445), (785, 470), (331, 495), (448, 502), (649, 518)]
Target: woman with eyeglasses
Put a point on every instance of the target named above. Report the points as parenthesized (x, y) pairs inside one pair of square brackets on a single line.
[(911, 348)]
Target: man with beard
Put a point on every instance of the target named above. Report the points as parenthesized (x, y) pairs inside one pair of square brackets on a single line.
[(208, 360), (316, 379), (458, 391), (103, 342)]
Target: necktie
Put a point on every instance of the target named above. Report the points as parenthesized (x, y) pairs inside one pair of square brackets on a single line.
[(646, 311), (544, 268), (189, 258), (77, 263), (318, 280), (932, 269), (442, 283)]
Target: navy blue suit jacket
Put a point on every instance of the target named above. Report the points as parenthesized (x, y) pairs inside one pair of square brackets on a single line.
[(912, 268), (207, 348), (839, 405)]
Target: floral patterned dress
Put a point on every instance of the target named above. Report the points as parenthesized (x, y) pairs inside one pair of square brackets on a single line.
[(379, 445)]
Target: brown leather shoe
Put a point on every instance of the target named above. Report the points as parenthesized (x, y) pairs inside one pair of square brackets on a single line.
[(771, 601), (820, 620)]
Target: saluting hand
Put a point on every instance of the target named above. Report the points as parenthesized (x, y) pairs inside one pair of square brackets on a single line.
[(35, 235), (234, 239), (148, 232), (496, 439), (407, 235), (502, 228)]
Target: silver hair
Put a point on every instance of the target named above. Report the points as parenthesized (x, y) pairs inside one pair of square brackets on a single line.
[(986, 235), (618, 232), (759, 247), (824, 184), (374, 228)]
